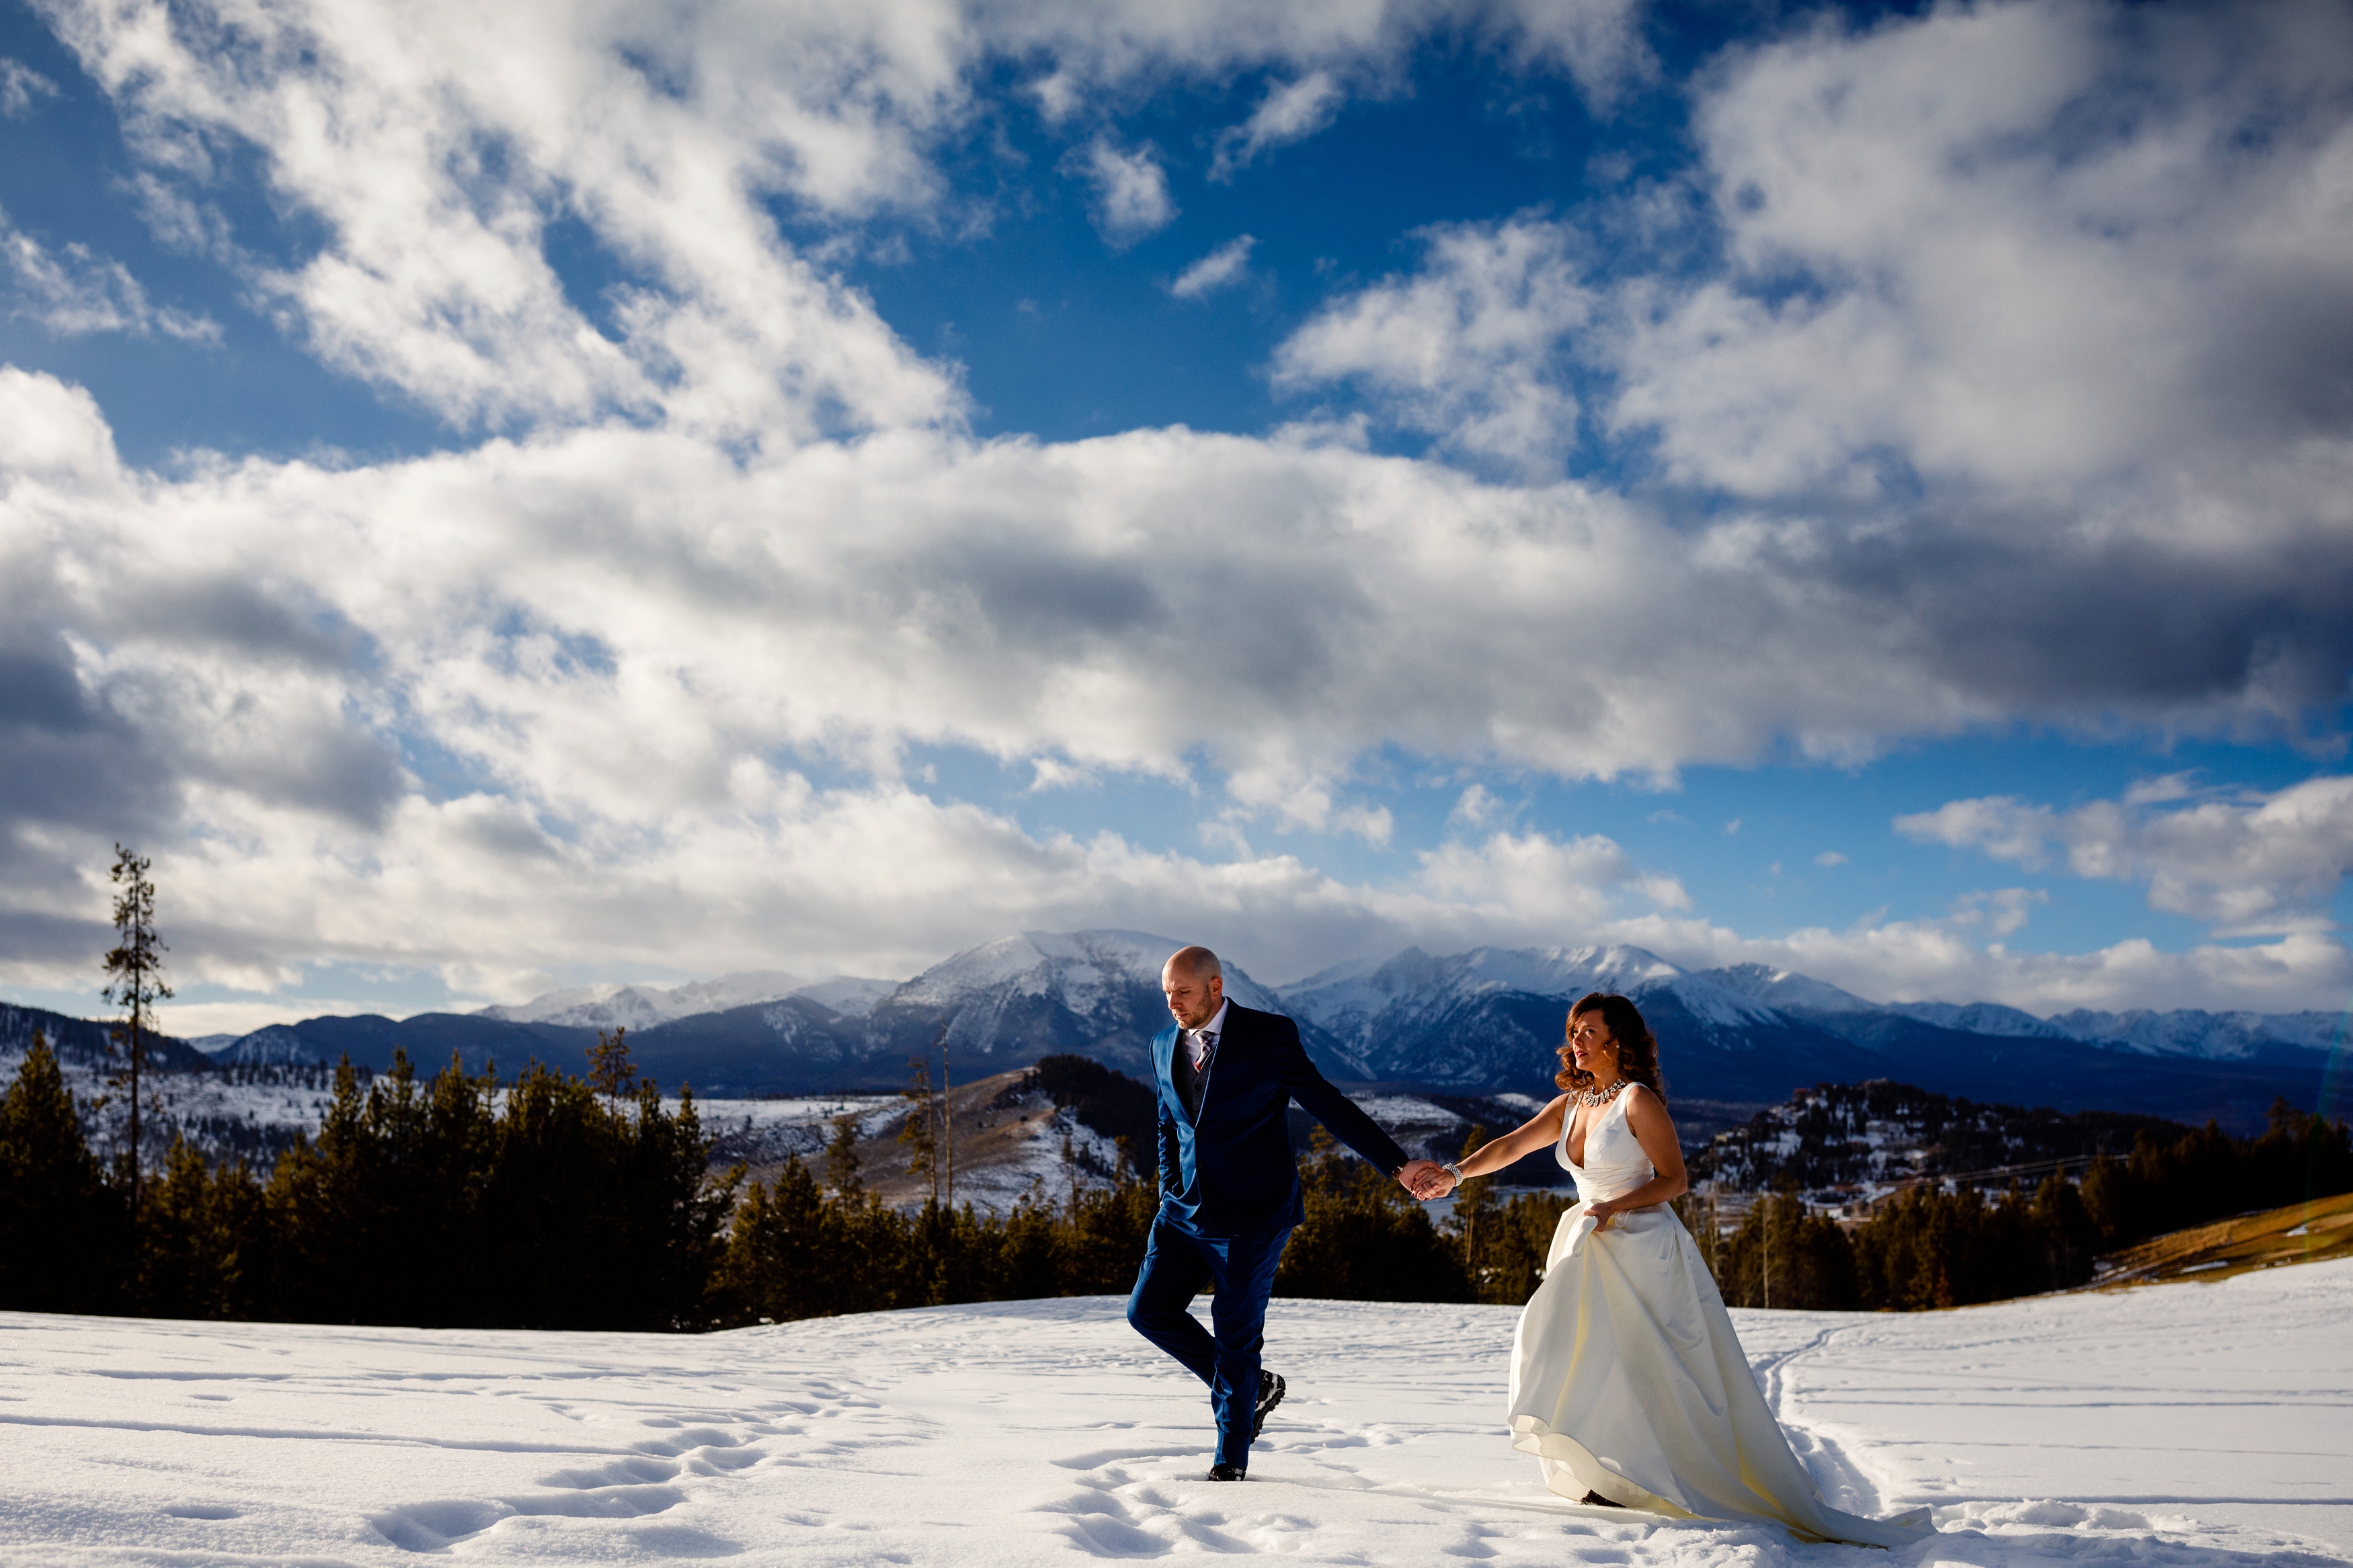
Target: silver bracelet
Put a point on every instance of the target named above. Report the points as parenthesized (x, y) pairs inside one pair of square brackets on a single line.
[(1452, 1169)]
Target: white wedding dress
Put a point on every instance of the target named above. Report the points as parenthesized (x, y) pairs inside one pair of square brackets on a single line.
[(1626, 1379)]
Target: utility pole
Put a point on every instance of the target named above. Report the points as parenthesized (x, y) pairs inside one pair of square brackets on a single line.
[(135, 981)]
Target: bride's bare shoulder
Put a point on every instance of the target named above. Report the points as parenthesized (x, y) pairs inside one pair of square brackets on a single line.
[(1643, 1101)]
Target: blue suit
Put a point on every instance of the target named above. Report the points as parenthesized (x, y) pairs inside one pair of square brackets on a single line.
[(1229, 1200)]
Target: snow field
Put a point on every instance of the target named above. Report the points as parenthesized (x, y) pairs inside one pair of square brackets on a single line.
[(2181, 1425)]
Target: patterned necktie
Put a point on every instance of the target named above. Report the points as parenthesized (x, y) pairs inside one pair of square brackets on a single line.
[(1204, 1042)]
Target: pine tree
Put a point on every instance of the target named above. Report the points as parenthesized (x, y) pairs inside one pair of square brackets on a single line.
[(610, 1071), (841, 1160), (61, 1223), (135, 982), (1364, 1239), (920, 1131)]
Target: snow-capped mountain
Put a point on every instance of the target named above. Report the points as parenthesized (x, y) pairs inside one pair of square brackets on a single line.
[(2189, 1032), (1373, 1009), (1483, 1022), (642, 1006), (1786, 988), (1983, 1018), (851, 996), (1096, 993), (1491, 1019)]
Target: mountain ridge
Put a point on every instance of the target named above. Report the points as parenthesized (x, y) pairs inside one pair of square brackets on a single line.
[(1482, 1021)]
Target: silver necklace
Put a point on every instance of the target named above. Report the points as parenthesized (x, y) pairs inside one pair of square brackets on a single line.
[(1599, 1096)]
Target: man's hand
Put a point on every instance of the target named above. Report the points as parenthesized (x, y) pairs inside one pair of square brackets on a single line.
[(1425, 1179)]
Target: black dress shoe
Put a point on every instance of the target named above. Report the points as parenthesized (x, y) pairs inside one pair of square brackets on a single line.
[(1227, 1473), (1594, 1500), (1270, 1395)]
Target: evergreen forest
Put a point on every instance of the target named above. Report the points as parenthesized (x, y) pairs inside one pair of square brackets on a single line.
[(555, 1201)]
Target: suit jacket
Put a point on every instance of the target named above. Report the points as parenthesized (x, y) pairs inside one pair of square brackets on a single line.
[(1233, 1173)]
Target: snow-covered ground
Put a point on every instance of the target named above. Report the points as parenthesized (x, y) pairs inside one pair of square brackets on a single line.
[(2181, 1425)]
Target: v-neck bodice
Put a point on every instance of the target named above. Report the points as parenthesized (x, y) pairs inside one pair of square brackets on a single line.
[(1614, 1161)]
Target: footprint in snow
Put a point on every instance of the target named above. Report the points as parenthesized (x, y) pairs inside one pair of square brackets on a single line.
[(632, 1487)]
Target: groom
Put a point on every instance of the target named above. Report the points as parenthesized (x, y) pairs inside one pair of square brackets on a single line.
[(1229, 1188)]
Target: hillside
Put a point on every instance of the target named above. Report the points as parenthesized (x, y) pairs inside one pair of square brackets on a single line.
[(2314, 1231), (1847, 1144)]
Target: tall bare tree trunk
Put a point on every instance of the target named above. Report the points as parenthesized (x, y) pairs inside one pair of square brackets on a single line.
[(135, 981)]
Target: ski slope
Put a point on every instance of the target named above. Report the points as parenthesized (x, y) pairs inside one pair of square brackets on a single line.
[(2180, 1425)]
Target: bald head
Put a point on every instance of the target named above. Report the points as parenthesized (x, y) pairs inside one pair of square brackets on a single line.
[(1198, 961), (1195, 983)]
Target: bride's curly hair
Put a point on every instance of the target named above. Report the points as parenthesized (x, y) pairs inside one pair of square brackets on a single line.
[(1638, 1049)]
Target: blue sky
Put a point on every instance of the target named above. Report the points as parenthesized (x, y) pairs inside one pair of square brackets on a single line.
[(1856, 488)]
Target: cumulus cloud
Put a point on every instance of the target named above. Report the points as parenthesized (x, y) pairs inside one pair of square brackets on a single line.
[(434, 155), (1467, 348), (1949, 959), (1131, 189), (1292, 112), (2261, 865), (2012, 246), (1221, 267), (2010, 322), (1598, 42), (71, 291), (562, 694)]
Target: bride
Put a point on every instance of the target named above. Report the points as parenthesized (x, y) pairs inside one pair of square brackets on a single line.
[(1628, 1383)]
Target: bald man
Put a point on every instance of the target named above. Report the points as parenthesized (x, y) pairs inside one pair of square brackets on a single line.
[(1230, 1191)]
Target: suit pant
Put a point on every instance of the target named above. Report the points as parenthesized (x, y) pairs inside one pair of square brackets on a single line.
[(1176, 1266)]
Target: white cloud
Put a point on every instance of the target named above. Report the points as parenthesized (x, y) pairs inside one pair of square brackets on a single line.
[(22, 89), (1598, 42), (1476, 808), (1130, 188), (2055, 297), (499, 705), (433, 145), (2003, 911), (1829, 857), (2259, 865), (1221, 267), (72, 292), (1950, 960), (1292, 112), (1048, 773), (1466, 349), (2011, 245)]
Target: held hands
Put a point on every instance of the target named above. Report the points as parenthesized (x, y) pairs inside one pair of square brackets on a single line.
[(1425, 1179)]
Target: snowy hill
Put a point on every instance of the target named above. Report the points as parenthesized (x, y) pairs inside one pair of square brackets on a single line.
[(2171, 1427)]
